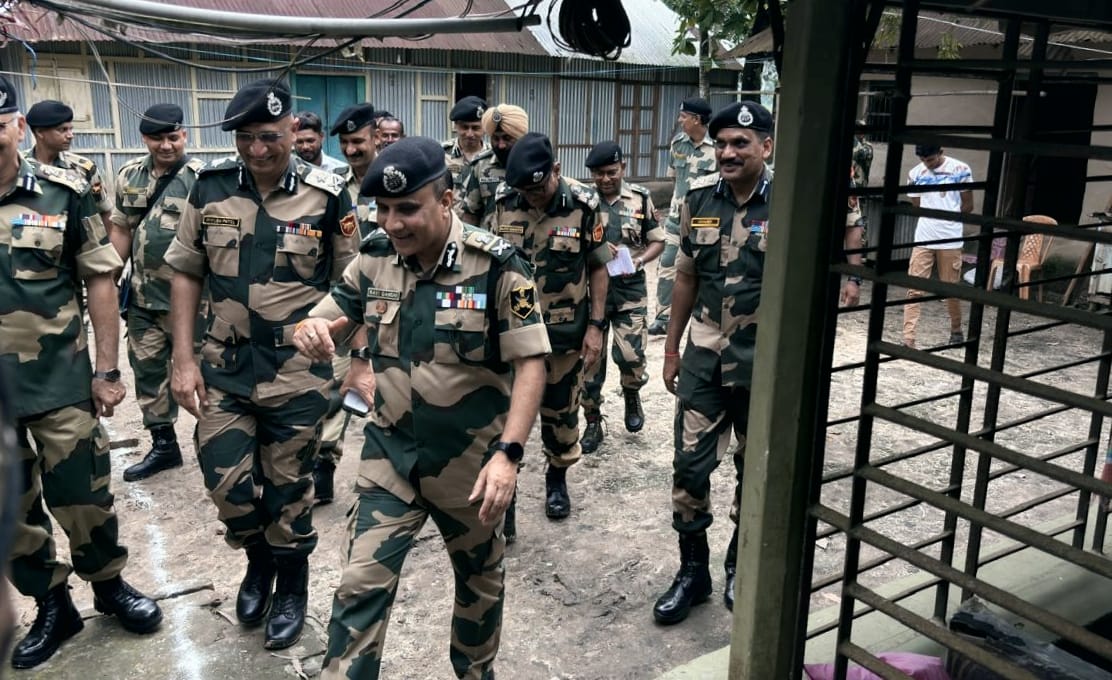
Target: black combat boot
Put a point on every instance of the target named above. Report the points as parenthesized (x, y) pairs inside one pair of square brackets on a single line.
[(557, 504), (135, 611), (253, 599), (592, 434), (323, 473), (731, 572), (291, 595), (56, 622), (659, 327), (509, 525), (634, 415), (164, 454), (692, 583)]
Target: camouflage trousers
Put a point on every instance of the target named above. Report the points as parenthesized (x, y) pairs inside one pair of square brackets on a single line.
[(335, 425), (65, 464), (706, 412), (626, 310), (257, 460), (382, 530), (149, 346), (560, 408), (666, 274)]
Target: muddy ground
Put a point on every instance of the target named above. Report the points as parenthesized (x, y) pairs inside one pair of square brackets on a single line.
[(579, 592)]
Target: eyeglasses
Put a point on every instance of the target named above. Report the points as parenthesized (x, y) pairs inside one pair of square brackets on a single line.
[(264, 137), (4, 124)]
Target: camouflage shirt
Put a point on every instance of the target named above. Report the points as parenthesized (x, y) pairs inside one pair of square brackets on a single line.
[(441, 345), (722, 245), (51, 239), (266, 262), (629, 220), (365, 209), (862, 162), (458, 163), (563, 242), (102, 197), (151, 234), (476, 198), (689, 162)]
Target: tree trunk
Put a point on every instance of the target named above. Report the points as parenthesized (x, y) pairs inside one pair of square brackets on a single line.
[(706, 62)]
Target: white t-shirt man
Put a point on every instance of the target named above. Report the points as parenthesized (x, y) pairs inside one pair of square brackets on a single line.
[(948, 171)]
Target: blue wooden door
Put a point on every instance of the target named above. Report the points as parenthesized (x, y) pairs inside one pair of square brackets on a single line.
[(327, 96)]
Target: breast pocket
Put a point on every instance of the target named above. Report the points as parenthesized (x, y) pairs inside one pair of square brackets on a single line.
[(564, 252), (461, 336), (171, 215), (222, 245), (381, 319), (302, 254), (36, 253), (631, 233), (704, 246)]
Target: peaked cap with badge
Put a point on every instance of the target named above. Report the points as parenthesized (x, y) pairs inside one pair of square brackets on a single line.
[(404, 167), (604, 153), (696, 106), (353, 118), (48, 113), (744, 115), (468, 110), (8, 100), (263, 101), (530, 160), (161, 118)]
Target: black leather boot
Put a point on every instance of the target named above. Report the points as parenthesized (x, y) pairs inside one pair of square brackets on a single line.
[(164, 454), (135, 611), (291, 595), (592, 434), (509, 525), (634, 415), (692, 583), (253, 599), (731, 572), (557, 504), (56, 622), (323, 473)]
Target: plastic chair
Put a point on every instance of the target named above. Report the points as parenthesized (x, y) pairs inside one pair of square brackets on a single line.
[(1033, 250)]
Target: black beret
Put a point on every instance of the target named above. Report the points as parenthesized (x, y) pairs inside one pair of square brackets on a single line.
[(8, 103), (530, 160), (604, 153), (263, 101), (747, 115), (382, 113), (161, 118), (468, 109), (697, 106), (924, 150), (404, 167), (352, 118), (49, 113)]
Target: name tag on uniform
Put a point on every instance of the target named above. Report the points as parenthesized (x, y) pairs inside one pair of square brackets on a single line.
[(462, 297), (36, 220), (704, 222), (384, 294), (298, 229), (511, 229), (218, 221)]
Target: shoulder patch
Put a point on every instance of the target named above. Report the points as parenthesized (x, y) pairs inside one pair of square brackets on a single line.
[(67, 177), (703, 181), (225, 164), (481, 239), (322, 179), (376, 243), (584, 194)]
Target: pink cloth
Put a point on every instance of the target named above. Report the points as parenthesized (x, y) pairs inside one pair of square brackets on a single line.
[(916, 665)]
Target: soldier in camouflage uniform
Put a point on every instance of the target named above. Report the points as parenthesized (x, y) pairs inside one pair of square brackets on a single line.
[(51, 124), (53, 240), (627, 217), (504, 124), (453, 365), (692, 156), (556, 221), (461, 152), (724, 231), (268, 233), (143, 225)]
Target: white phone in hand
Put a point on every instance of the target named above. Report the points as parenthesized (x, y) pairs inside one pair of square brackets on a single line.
[(353, 403)]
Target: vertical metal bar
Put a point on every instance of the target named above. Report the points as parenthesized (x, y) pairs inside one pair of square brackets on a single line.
[(1092, 451), (783, 417)]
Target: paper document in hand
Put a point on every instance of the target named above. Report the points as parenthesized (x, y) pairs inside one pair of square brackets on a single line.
[(622, 264)]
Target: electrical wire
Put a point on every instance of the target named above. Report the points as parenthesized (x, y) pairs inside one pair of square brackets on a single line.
[(596, 27)]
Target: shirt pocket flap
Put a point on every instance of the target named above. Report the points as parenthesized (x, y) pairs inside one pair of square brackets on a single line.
[(40, 238), (222, 237), (560, 315), (221, 331), (297, 244), (565, 244), (705, 237)]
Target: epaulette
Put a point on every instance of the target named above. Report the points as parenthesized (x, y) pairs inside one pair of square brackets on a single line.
[(376, 243), (133, 163), (680, 136), (704, 181), (67, 177), (447, 145), (638, 189), (322, 179), (225, 164), (584, 194), (482, 156), (195, 164), (481, 239), (503, 191), (80, 161)]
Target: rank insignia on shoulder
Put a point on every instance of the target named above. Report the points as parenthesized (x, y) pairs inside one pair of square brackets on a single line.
[(348, 224), (523, 300), (704, 222)]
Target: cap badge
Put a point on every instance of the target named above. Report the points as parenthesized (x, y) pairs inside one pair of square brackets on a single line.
[(350, 125), (273, 106), (617, 156), (479, 111), (393, 180), (745, 117), (3, 97), (496, 116), (537, 176)]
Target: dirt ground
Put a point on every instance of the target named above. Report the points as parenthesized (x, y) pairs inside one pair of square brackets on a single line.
[(579, 592)]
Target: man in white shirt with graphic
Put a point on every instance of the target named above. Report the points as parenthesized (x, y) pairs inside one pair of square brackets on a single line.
[(934, 169)]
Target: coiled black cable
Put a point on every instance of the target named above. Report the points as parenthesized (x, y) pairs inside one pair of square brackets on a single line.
[(596, 27)]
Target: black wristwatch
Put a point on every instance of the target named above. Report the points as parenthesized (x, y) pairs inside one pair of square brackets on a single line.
[(600, 324), (110, 376), (856, 279), (363, 353), (513, 450)]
